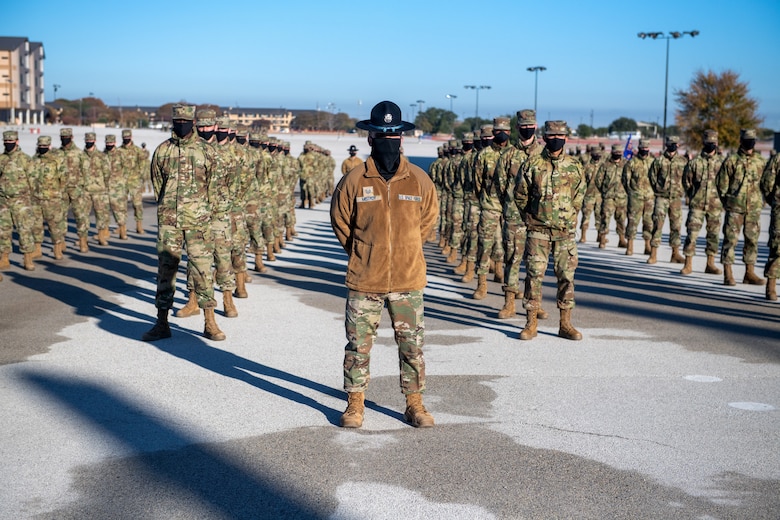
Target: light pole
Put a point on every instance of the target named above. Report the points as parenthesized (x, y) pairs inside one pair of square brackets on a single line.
[(673, 35), (420, 103), (477, 88), (412, 105), (56, 88), (536, 71), (451, 97)]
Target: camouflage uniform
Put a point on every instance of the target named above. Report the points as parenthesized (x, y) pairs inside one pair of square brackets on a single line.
[(614, 201), (444, 198), (77, 171), (738, 186), (666, 179), (225, 181), (455, 207), (292, 174), (434, 172), (489, 246), (641, 198), (699, 182), (47, 179), (136, 163), (95, 188), (245, 187), (473, 185), (16, 206), (592, 201), (770, 187), (308, 160), (120, 166)]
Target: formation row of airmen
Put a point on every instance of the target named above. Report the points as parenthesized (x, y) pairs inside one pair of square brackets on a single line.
[(483, 222), (43, 188)]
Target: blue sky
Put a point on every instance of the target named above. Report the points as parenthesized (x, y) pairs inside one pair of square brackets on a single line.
[(352, 54)]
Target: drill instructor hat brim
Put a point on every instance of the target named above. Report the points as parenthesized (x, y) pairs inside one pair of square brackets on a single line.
[(385, 119)]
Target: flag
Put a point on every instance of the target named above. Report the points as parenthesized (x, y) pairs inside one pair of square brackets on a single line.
[(628, 150)]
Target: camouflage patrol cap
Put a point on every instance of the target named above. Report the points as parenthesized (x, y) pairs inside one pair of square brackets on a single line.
[(183, 112), (747, 133), (232, 124), (501, 123), (286, 145), (526, 117), (271, 139), (452, 143), (66, 132), (44, 140), (255, 136), (456, 144), (242, 130), (206, 117), (486, 131), (223, 122), (617, 148), (127, 133), (90, 136), (110, 139), (644, 143), (468, 137), (10, 135), (672, 139), (710, 136), (556, 128)]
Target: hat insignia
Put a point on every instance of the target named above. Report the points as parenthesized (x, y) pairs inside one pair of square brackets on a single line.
[(388, 118)]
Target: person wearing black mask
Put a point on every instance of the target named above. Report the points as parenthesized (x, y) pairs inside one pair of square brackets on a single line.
[(137, 166), (641, 198), (614, 200), (181, 172), (351, 161), (75, 163), (700, 189), (666, 179), (15, 201), (381, 214), (47, 180), (96, 187), (592, 201), (549, 191), (738, 186)]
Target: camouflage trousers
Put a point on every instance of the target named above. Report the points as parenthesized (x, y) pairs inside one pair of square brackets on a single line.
[(693, 225), (118, 202), (613, 207), (489, 246), (444, 221), (471, 230), (591, 204), (640, 209), (772, 268), (537, 249), (16, 213), (663, 206), (240, 239), (456, 236), (200, 255), (78, 202), (98, 201), (222, 231), (137, 197), (438, 197), (308, 190), (54, 215), (37, 223), (252, 221), (749, 224), (515, 236), (363, 313), (265, 228)]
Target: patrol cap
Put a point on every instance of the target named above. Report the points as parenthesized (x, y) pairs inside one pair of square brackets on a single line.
[(66, 132), (90, 136), (44, 140), (206, 117), (617, 148), (223, 122), (180, 111), (555, 128), (110, 139), (10, 135), (127, 133), (644, 143), (385, 119), (672, 139), (501, 123), (486, 131), (711, 136), (452, 143), (255, 136), (747, 133), (468, 137), (242, 131), (526, 117)]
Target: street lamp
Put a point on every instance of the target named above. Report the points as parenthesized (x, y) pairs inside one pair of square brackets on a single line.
[(477, 88), (412, 105), (451, 97), (420, 103), (673, 35), (56, 88), (536, 71)]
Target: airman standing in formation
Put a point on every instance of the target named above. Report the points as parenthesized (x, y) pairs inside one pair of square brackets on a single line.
[(770, 187), (592, 200), (47, 180), (119, 167), (665, 175), (136, 162), (641, 198), (77, 172), (609, 183), (16, 206), (95, 188)]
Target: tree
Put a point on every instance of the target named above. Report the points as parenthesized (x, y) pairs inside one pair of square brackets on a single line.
[(622, 125), (436, 121), (715, 102), (584, 131)]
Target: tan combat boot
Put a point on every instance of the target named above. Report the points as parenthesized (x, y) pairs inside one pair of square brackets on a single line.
[(139, 227), (277, 245), (446, 250), (211, 330), (28, 262), (728, 276), (353, 415), (566, 330), (688, 267), (622, 241), (602, 240), (122, 231), (442, 241), (4, 262), (541, 314), (653, 255), (751, 277), (583, 230), (711, 267), (229, 306), (498, 274), (676, 258), (191, 308), (469, 274), (529, 331), (161, 329), (453, 256), (240, 291), (83, 246), (37, 253), (57, 249), (629, 247), (509, 306), (771, 289), (102, 236), (415, 413), (270, 256), (259, 267), (288, 234), (461, 269), (481, 291), (648, 247)]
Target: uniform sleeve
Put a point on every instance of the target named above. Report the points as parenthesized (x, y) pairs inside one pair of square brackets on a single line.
[(522, 187), (430, 210), (341, 215), (579, 190)]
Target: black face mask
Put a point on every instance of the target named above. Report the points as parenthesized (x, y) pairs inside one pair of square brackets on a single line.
[(616, 156), (467, 147), (271, 148), (221, 136), (126, 142), (555, 144), (500, 137), (89, 145), (386, 154), (352, 154), (486, 142), (206, 134), (254, 144), (643, 152), (241, 140), (596, 157), (671, 148), (41, 151), (286, 151), (526, 133), (264, 146), (182, 128), (9, 147), (747, 144), (109, 147), (232, 137), (66, 141), (709, 147)]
